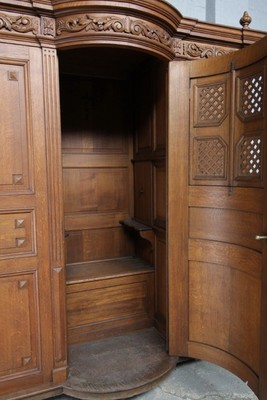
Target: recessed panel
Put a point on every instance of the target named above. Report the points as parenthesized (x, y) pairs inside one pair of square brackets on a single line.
[(17, 233), (19, 350), (14, 137), (95, 190), (160, 194), (231, 321)]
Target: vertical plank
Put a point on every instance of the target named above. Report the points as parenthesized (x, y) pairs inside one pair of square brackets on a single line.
[(177, 229)]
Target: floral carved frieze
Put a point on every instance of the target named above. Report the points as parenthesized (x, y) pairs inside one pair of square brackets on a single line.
[(115, 24), (130, 26), (19, 23), (24, 24), (125, 26), (190, 50)]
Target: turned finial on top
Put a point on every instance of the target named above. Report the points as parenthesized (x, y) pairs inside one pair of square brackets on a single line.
[(245, 20)]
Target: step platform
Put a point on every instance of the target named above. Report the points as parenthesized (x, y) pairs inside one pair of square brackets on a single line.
[(118, 367)]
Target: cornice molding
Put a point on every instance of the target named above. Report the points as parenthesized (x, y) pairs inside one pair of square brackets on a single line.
[(138, 28), (154, 26)]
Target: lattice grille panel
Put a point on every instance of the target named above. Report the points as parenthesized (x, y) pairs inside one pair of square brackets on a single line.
[(251, 99), (250, 157), (211, 104), (210, 158)]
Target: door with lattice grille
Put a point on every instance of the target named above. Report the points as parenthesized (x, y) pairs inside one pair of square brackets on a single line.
[(217, 211)]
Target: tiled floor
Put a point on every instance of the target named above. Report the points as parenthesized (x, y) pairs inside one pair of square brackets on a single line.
[(197, 380)]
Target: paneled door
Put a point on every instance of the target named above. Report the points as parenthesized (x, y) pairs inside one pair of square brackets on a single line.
[(217, 225), (25, 305)]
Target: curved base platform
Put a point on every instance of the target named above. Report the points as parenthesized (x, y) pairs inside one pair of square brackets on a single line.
[(118, 367)]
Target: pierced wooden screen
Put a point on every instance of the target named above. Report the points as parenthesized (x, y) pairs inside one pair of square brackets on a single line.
[(210, 156), (210, 103), (227, 132), (250, 156), (209, 130), (251, 96), (248, 129)]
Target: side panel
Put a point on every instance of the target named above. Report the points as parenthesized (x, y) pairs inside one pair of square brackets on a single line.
[(26, 335)]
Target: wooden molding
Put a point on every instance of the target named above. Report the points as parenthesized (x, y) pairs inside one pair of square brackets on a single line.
[(153, 26)]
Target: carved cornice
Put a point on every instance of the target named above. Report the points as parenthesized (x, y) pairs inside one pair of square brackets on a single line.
[(91, 24), (134, 29)]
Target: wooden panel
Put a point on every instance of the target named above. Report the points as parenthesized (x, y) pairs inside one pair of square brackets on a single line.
[(243, 199), (55, 213), (143, 191), (101, 115), (93, 220), (96, 167), (239, 258), (104, 307), (231, 321), (26, 309), (160, 109), (226, 360), (144, 94), (159, 190), (17, 233), (16, 137), (20, 346), (161, 283), (209, 146), (105, 304), (236, 227), (95, 190), (71, 160), (249, 138), (96, 244)]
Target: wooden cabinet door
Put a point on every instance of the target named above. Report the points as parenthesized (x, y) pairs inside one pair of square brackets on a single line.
[(25, 304), (217, 206)]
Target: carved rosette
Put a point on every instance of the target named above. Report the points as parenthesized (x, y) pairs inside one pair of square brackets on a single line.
[(48, 27)]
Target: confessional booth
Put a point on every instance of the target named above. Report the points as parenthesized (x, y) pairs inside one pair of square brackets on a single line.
[(133, 185)]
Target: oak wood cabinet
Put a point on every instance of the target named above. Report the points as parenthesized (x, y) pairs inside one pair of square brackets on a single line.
[(132, 185)]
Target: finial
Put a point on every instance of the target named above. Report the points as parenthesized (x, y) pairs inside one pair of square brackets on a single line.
[(245, 20)]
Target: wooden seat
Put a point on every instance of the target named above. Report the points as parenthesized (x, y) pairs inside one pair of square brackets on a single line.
[(108, 297)]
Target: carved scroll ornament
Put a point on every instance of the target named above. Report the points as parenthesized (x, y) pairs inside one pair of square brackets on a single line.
[(105, 24), (134, 27), (114, 24), (20, 24), (191, 50)]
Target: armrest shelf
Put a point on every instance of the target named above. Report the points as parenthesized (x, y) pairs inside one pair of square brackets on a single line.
[(144, 231)]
